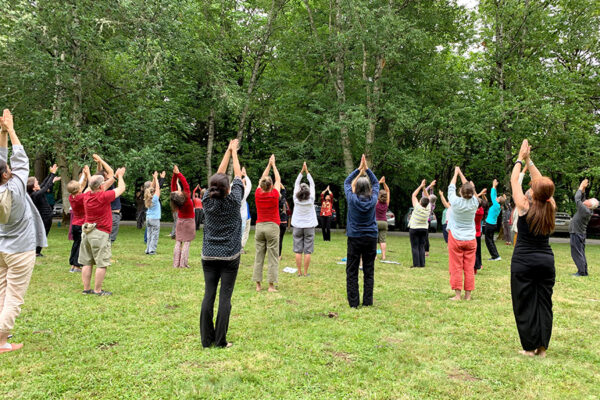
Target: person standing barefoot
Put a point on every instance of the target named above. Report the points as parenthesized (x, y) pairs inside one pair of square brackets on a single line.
[(381, 208), (532, 272)]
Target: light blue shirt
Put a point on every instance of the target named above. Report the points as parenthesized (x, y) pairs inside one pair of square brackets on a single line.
[(461, 221), (494, 211), (154, 211)]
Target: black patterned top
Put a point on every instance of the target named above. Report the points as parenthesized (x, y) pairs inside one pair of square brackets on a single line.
[(223, 224)]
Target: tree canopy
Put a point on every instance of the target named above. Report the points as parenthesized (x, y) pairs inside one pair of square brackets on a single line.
[(418, 86)]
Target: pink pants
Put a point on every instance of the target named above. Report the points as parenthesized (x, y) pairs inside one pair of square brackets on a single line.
[(461, 260), (180, 254)]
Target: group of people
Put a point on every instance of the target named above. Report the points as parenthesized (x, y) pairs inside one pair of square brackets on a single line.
[(226, 220)]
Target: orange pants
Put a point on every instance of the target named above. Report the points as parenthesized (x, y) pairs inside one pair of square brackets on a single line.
[(461, 257)]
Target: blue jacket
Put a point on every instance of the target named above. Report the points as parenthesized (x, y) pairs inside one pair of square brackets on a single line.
[(361, 210), (494, 211)]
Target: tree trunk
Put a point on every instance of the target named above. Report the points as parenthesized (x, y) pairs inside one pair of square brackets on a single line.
[(210, 143)]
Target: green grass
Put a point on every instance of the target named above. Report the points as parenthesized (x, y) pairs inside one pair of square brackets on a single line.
[(143, 342)]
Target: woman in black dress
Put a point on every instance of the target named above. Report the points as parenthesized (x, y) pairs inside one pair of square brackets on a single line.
[(532, 266)]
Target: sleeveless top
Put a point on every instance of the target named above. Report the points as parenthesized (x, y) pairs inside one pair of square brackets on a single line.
[(380, 211), (531, 251)]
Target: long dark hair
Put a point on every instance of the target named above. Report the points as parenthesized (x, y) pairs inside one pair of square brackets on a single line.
[(218, 186), (177, 200), (542, 209)]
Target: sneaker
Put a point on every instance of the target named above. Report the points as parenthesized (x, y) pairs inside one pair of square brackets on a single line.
[(495, 259), (87, 291), (103, 293), (577, 274), (72, 270)]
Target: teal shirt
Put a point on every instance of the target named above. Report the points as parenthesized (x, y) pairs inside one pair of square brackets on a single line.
[(494, 211)]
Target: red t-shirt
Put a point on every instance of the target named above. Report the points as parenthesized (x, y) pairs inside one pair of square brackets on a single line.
[(97, 209), (478, 218), (77, 209), (197, 202), (267, 206), (326, 206)]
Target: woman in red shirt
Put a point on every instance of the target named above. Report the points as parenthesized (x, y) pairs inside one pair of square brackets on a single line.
[(185, 229), (266, 234), (326, 213), (198, 210), (478, 218), (77, 216)]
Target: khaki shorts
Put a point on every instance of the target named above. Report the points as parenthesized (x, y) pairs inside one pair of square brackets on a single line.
[(95, 249), (382, 227)]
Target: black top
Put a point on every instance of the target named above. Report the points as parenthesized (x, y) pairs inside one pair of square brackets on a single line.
[(116, 203), (40, 200), (531, 251), (223, 224), (283, 215)]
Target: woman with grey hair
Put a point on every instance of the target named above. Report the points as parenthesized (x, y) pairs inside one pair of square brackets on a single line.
[(362, 190), (578, 228), (304, 220), (418, 226)]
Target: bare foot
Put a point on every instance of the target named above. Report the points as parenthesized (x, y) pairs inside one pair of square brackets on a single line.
[(455, 298), (229, 344), (527, 353), (272, 288), (541, 352), (258, 287), (426, 254), (468, 298)]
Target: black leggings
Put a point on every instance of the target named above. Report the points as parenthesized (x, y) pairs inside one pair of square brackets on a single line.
[(490, 230), (326, 228), (215, 270), (74, 259), (47, 225), (282, 229)]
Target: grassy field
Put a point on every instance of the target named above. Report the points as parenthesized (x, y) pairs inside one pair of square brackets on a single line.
[(143, 342)]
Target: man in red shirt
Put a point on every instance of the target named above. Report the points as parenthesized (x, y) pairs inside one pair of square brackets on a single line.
[(95, 240)]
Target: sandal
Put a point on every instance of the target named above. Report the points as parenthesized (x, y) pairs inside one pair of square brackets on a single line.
[(90, 291), (103, 293)]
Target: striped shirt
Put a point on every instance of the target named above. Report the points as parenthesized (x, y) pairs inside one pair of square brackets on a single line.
[(419, 217)]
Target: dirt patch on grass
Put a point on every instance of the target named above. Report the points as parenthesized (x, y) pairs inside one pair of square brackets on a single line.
[(171, 306), (106, 346), (142, 264), (330, 314), (340, 355), (461, 375)]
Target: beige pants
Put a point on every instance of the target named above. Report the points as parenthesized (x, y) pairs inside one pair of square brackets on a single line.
[(267, 241), (15, 274)]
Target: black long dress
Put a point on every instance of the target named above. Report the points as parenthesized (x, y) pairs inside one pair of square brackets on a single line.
[(531, 283)]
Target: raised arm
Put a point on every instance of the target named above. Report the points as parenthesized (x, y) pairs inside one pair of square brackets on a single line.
[(101, 164), (120, 189), (269, 165), (443, 199), (184, 184), (494, 193), (415, 200), (580, 192), (374, 182), (19, 161), (83, 178), (155, 184), (521, 201), (311, 185), (349, 182), (174, 179), (386, 188), (233, 149), (225, 161), (277, 184)]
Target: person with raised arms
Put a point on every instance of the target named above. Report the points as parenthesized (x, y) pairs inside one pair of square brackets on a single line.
[(221, 248), (95, 246), (578, 228), (383, 204), (21, 231), (304, 220), (38, 195), (266, 235), (532, 271), (491, 222), (444, 215), (483, 203), (76, 188), (244, 207), (185, 229), (362, 190), (153, 214), (462, 245), (418, 225), (326, 213)]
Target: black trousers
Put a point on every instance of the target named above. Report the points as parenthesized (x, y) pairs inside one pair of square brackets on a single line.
[(326, 228), (47, 225), (282, 229), (418, 238), (427, 242), (364, 248), (578, 253), (531, 294), (74, 258), (445, 232), (490, 230), (140, 218), (215, 270), (478, 253)]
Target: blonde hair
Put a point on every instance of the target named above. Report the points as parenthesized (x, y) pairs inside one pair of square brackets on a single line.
[(148, 194), (266, 184)]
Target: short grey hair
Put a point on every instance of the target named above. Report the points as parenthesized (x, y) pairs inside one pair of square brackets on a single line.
[(595, 203), (95, 182), (363, 187)]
